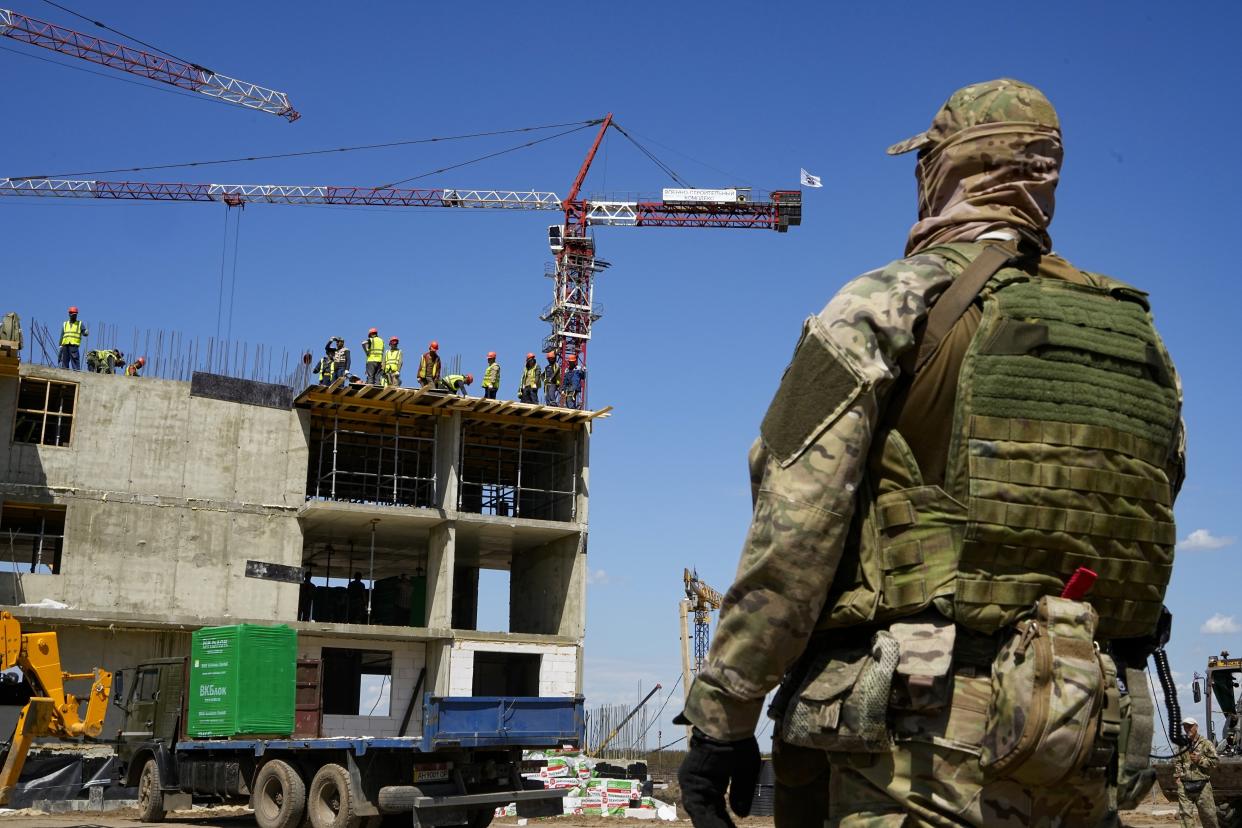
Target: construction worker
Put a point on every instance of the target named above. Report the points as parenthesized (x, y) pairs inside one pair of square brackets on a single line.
[(571, 386), (342, 359), (71, 335), (552, 380), (491, 377), (429, 365), (373, 347), (134, 367), (457, 383), (528, 392), (956, 439), (356, 600), (393, 360), (104, 361), (326, 369)]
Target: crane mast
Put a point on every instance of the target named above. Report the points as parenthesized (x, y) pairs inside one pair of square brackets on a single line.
[(188, 76)]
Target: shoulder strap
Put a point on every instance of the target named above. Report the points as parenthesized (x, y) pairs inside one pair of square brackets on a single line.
[(959, 296)]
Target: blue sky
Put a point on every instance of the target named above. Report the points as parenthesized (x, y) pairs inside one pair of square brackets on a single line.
[(698, 324)]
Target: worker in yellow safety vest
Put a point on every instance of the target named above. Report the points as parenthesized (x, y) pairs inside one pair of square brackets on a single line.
[(393, 360), (529, 390), (71, 335), (373, 347), (134, 367), (456, 383), (491, 377), (429, 365)]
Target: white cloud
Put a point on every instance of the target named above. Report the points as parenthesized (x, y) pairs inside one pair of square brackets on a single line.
[(1201, 539), (598, 577), (1221, 625)]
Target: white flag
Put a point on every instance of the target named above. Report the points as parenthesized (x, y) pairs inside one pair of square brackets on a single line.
[(809, 180)]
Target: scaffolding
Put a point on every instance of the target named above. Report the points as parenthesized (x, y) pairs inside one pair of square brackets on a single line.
[(516, 473), (365, 463)]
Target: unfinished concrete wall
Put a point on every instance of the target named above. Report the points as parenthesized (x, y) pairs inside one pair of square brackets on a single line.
[(557, 667), (547, 589), (166, 497), (408, 659)]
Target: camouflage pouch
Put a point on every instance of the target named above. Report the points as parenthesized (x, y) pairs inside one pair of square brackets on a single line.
[(1048, 697), (922, 677), (842, 704)]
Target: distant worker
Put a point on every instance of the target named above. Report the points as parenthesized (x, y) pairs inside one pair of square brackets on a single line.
[(393, 360), (104, 361), (134, 367), (306, 596), (71, 335), (373, 347), (356, 600), (342, 359), (571, 387), (403, 602), (457, 383), (1191, 769), (491, 377), (552, 380), (528, 392), (326, 369), (429, 365)]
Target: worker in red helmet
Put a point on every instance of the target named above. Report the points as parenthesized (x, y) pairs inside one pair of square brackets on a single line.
[(429, 365), (491, 377), (573, 383), (133, 369), (457, 383), (373, 347), (528, 391), (71, 336), (552, 380), (393, 360)]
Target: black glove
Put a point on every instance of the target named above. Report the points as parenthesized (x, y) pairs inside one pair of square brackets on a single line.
[(712, 767)]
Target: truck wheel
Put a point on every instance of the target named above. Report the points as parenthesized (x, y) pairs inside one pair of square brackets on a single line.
[(480, 817), (330, 803), (150, 796), (279, 796)]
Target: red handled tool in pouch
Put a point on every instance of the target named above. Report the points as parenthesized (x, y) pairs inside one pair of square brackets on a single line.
[(1080, 584)]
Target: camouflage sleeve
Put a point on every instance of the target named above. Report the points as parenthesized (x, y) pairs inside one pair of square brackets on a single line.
[(805, 471), (1207, 755)]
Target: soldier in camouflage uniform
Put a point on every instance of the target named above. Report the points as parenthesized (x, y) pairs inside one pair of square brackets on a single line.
[(1191, 769), (918, 491)]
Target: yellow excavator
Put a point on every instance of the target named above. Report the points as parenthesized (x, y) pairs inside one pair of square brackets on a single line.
[(51, 711)]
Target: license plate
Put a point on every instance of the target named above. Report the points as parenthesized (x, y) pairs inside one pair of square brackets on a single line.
[(431, 775)]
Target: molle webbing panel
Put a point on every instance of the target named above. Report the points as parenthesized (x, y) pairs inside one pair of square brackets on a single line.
[(1069, 413)]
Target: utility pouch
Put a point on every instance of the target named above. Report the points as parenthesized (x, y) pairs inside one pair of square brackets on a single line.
[(921, 684), (1048, 697), (1193, 787), (1135, 775), (842, 704)]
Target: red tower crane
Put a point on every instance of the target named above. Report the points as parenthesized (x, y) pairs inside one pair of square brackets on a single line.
[(167, 70), (572, 310)]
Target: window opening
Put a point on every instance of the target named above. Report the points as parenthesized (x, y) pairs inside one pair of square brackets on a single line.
[(506, 674), (357, 682), (32, 536), (494, 591), (44, 412)]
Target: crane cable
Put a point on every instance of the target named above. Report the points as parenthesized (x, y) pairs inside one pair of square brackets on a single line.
[(300, 153), (663, 166)]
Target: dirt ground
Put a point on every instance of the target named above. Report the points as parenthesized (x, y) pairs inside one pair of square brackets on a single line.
[(1156, 811)]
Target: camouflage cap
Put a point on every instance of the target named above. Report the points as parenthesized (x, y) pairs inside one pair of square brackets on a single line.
[(997, 101)]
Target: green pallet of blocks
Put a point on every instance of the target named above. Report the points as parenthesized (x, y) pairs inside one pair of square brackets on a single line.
[(243, 681)]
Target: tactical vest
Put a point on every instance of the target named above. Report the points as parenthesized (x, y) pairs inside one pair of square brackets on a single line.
[(1064, 427)]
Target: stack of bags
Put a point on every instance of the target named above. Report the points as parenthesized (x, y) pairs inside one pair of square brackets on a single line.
[(590, 794)]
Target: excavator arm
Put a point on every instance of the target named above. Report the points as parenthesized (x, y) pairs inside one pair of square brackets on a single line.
[(51, 711)]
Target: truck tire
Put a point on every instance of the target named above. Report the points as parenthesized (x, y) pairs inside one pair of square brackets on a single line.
[(150, 795), (279, 796), (480, 817), (330, 803)]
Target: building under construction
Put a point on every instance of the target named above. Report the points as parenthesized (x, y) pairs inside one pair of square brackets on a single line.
[(134, 511)]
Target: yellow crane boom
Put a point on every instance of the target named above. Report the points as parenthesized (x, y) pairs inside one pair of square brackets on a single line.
[(51, 711)]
